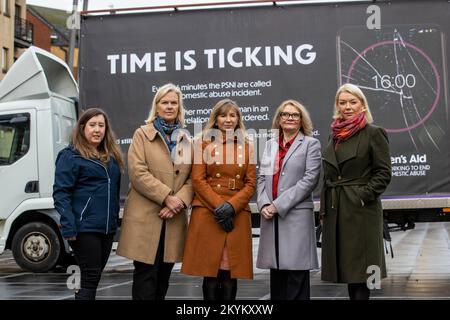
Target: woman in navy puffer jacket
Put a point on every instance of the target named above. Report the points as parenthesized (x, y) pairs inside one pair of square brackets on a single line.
[(86, 195)]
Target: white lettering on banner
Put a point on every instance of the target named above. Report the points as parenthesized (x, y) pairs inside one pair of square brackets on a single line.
[(124, 63), (250, 56), (230, 57), (132, 61), (410, 166), (237, 57), (310, 56), (187, 57), (303, 54), (146, 60), (160, 60), (112, 58)]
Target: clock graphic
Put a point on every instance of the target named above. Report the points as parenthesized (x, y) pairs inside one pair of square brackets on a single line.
[(401, 70)]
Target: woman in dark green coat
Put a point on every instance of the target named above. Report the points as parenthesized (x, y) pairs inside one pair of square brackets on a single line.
[(357, 170)]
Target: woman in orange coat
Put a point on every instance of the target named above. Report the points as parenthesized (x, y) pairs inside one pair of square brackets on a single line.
[(219, 241)]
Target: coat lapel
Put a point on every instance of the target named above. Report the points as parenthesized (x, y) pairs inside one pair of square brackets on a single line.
[(270, 163), (329, 155), (273, 156), (149, 131), (348, 149), (297, 143)]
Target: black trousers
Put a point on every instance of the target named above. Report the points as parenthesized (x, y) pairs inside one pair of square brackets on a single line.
[(91, 251), (358, 291), (151, 281), (222, 287), (289, 284)]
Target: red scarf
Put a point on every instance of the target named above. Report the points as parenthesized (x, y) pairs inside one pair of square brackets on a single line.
[(344, 129)]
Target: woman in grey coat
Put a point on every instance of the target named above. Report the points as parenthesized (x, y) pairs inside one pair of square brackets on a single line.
[(290, 169)]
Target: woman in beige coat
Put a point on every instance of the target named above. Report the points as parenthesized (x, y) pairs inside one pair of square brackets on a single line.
[(154, 221)]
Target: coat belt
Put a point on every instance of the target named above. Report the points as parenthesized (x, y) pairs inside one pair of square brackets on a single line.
[(228, 183), (343, 183)]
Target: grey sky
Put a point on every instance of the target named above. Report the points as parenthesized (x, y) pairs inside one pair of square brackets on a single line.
[(106, 4)]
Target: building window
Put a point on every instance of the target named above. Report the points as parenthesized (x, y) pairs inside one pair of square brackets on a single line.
[(5, 7), (4, 60), (18, 12)]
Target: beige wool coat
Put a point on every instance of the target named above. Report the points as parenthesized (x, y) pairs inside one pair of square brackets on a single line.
[(153, 176)]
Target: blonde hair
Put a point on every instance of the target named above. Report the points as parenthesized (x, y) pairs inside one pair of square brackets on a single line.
[(162, 91), (221, 108), (306, 125), (354, 91)]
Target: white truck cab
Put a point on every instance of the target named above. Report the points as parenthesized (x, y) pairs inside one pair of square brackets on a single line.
[(38, 111)]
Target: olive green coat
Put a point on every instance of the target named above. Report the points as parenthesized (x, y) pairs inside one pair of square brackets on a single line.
[(355, 175)]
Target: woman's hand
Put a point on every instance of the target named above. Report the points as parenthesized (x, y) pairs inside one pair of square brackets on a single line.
[(174, 203), (269, 211), (166, 213), (272, 209)]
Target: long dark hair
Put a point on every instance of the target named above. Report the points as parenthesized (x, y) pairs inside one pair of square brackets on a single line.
[(107, 147)]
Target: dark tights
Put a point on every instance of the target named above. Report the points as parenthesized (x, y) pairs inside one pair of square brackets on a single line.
[(221, 288), (358, 291)]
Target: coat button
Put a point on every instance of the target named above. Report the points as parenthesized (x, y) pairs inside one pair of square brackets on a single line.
[(282, 173), (238, 176), (218, 186), (218, 175), (339, 177), (177, 172)]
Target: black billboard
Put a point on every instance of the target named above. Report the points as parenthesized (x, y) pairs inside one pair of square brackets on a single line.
[(260, 56)]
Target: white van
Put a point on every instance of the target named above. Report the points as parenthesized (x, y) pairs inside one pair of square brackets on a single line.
[(38, 110)]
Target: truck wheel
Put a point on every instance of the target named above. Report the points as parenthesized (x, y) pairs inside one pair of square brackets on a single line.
[(36, 247)]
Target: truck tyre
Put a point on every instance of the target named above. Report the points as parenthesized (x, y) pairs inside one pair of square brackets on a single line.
[(36, 247)]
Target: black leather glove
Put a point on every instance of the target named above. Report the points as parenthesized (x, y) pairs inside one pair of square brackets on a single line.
[(224, 216)]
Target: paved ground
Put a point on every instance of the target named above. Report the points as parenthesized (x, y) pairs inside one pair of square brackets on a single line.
[(419, 270)]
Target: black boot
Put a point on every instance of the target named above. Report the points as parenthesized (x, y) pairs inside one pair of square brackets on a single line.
[(85, 294), (228, 286), (210, 288), (358, 291)]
